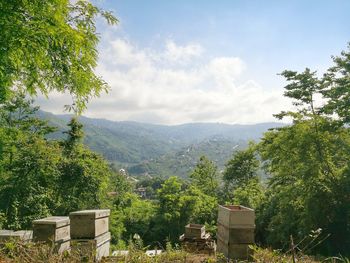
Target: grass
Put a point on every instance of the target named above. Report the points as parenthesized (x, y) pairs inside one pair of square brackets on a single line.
[(13, 252)]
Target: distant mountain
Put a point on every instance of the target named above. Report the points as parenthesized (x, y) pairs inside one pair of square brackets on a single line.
[(162, 150)]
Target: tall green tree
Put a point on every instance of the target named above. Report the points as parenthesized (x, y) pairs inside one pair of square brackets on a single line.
[(40, 177), (85, 175), (50, 46), (309, 164), (336, 87), (205, 176), (28, 164), (241, 168)]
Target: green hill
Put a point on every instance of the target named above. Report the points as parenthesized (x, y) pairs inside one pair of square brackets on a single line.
[(161, 150)]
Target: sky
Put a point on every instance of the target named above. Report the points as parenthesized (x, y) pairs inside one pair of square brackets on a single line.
[(173, 62)]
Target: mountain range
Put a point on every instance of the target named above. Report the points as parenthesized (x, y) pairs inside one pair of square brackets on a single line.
[(161, 150)]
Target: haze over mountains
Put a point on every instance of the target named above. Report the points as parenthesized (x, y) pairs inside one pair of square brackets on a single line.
[(160, 150)]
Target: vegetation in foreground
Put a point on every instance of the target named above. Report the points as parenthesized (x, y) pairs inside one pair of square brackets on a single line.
[(18, 252)]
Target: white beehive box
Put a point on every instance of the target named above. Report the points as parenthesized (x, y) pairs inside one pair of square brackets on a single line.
[(89, 223), (54, 230), (51, 229)]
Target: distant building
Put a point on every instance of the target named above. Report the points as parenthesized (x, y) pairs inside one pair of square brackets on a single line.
[(122, 172), (141, 191)]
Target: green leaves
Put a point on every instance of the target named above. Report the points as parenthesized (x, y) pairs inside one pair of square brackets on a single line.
[(39, 177), (50, 46)]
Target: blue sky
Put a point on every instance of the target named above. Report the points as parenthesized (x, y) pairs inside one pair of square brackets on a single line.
[(210, 61)]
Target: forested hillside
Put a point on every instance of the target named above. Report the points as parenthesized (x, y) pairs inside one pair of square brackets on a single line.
[(160, 150)]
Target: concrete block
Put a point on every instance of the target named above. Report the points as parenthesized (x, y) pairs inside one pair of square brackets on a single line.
[(94, 248), (89, 223), (194, 231), (236, 216), (236, 235), (51, 229)]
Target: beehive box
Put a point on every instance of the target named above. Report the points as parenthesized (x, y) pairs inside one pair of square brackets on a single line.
[(96, 248), (5, 234), (236, 235), (89, 223), (51, 229), (234, 251), (10, 235), (24, 235), (194, 231), (236, 216)]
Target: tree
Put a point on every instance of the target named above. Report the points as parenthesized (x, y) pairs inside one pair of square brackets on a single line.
[(28, 164), (85, 175), (75, 134), (241, 168), (249, 194), (205, 176), (39, 177), (50, 46), (336, 88), (308, 162)]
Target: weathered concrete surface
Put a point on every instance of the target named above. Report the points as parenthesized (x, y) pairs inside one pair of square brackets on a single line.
[(89, 223)]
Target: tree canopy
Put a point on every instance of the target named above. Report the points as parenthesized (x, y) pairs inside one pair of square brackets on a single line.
[(50, 46)]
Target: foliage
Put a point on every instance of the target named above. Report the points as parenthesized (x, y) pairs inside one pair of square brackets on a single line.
[(40, 177), (309, 164), (50, 46), (241, 181), (205, 176), (250, 194), (242, 167), (179, 205), (335, 87)]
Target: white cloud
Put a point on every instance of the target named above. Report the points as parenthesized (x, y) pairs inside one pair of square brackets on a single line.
[(181, 54), (176, 85)]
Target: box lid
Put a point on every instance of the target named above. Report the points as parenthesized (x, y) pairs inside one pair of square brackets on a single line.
[(58, 221), (98, 213)]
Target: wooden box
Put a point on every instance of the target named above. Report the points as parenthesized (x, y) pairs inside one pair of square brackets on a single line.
[(236, 216), (89, 223), (96, 248), (51, 229), (10, 235), (194, 231), (234, 251), (236, 235)]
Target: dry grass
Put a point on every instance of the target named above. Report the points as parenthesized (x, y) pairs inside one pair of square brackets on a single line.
[(12, 252)]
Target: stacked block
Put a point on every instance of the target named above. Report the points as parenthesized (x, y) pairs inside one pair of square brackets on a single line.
[(236, 225), (90, 232), (53, 230)]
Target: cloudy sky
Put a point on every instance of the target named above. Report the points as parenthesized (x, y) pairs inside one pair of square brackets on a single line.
[(172, 62)]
